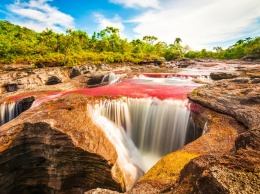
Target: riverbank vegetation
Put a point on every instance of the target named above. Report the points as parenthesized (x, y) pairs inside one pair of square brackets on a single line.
[(22, 45)]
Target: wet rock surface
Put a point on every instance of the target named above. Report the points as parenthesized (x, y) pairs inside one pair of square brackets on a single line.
[(230, 171), (26, 103)]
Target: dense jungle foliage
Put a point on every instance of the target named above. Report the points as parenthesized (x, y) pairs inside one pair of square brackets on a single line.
[(22, 45)]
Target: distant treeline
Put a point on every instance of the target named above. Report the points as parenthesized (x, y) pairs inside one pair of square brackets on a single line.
[(22, 45)]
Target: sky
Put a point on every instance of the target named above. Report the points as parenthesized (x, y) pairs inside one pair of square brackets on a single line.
[(199, 23)]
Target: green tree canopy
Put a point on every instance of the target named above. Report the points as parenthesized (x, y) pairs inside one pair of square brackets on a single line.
[(22, 45)]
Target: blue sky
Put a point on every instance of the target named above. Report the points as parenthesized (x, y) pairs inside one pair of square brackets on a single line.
[(199, 23)]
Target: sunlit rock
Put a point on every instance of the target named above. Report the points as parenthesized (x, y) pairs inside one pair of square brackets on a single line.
[(223, 75), (239, 97), (57, 147)]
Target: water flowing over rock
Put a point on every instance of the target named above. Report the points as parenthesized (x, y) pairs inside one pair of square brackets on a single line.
[(128, 156), (111, 78), (157, 126), (26, 102), (226, 158), (66, 145), (9, 111), (56, 147), (220, 138)]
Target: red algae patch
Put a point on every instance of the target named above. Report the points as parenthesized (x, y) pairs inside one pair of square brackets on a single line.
[(132, 88), (28, 94)]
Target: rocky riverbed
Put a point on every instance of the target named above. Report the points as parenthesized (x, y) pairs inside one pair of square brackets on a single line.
[(56, 146)]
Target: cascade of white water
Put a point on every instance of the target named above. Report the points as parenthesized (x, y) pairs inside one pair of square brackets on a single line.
[(116, 111), (9, 111), (157, 126), (104, 79), (111, 78), (129, 158), (162, 124)]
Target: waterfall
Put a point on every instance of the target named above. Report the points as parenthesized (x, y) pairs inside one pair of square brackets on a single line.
[(129, 158), (9, 111), (157, 126), (116, 111), (104, 79), (111, 78)]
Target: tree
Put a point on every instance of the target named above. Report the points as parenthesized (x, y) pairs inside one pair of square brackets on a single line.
[(20, 44), (217, 49), (177, 40), (160, 48), (248, 39), (239, 42), (113, 39), (150, 39)]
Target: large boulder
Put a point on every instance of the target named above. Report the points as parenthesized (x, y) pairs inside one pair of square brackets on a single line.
[(236, 172), (82, 69), (156, 62), (239, 97), (55, 147), (52, 80), (223, 75)]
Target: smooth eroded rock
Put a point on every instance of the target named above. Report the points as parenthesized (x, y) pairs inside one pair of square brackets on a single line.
[(223, 75), (220, 131), (56, 148), (239, 97)]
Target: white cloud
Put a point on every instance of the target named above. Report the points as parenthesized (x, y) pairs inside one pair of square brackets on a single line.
[(39, 15), (200, 22), (137, 3), (103, 22)]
